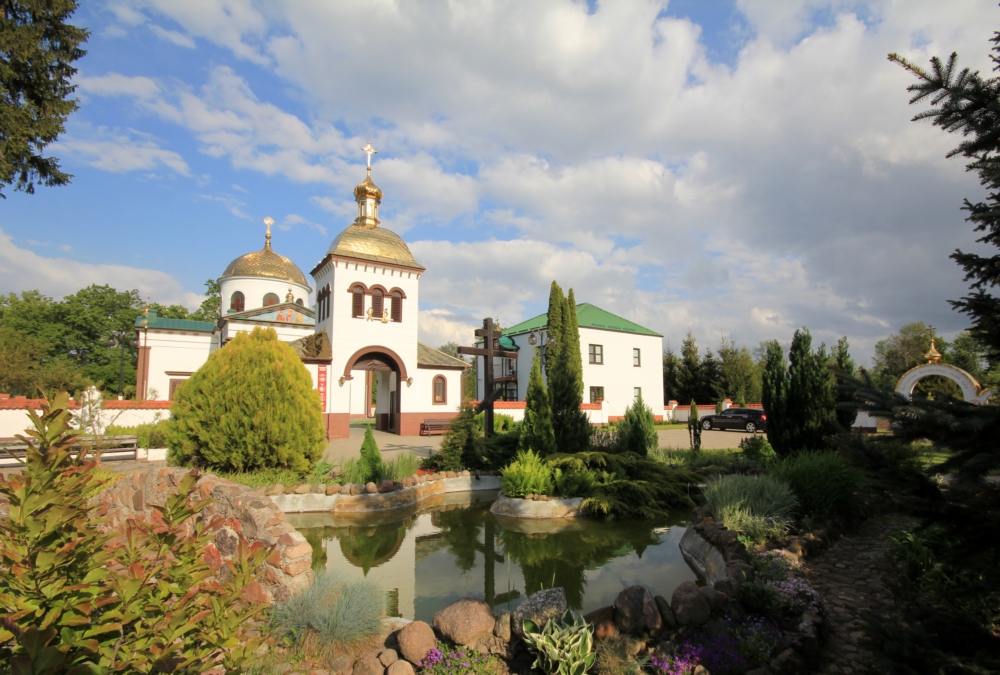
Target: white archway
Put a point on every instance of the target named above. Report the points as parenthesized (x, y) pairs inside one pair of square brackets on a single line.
[(972, 391)]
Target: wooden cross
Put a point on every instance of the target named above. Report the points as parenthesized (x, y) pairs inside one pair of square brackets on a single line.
[(491, 338)]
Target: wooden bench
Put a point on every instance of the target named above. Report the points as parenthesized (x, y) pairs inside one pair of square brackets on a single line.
[(112, 448), (434, 427)]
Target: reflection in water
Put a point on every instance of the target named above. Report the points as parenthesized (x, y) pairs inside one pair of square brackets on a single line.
[(458, 549)]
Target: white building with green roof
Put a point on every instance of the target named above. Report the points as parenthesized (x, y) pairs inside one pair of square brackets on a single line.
[(620, 360)]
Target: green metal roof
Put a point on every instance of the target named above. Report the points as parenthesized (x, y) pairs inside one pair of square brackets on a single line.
[(153, 320), (587, 316), (428, 356)]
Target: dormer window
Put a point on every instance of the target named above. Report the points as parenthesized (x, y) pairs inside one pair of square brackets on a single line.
[(271, 299), (237, 302)]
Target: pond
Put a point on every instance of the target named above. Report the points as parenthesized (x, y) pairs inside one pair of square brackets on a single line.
[(457, 548)]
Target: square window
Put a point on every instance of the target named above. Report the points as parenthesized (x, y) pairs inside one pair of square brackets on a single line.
[(636, 359), (596, 354), (636, 393), (596, 394)]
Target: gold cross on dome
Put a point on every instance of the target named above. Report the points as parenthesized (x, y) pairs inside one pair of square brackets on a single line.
[(371, 151), (269, 221)]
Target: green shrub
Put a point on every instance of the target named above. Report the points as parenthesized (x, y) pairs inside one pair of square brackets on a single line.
[(756, 449), (827, 487), (748, 501), (754, 530), (68, 609), (251, 405), (152, 435), (460, 447), (696, 459), (500, 450), (563, 646), (527, 474), (574, 483), (607, 439), (338, 613), (370, 463), (638, 429)]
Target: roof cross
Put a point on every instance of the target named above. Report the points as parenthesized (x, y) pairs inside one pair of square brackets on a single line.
[(370, 151), (269, 221)]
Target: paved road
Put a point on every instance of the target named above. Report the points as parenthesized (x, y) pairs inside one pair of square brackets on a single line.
[(710, 440)]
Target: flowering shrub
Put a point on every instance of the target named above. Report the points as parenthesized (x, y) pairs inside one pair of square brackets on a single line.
[(441, 660), (757, 637), (796, 595), (776, 565), (746, 645)]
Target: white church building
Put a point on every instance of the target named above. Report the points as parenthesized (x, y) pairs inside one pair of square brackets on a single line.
[(360, 330)]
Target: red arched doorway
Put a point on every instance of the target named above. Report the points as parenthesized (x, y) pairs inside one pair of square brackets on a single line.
[(388, 369)]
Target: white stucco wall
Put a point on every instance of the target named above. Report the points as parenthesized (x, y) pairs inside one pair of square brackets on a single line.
[(173, 351), (255, 288)]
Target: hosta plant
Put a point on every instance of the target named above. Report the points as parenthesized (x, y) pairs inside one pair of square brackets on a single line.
[(75, 599), (562, 647)]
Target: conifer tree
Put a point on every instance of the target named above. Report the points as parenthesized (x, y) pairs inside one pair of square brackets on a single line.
[(774, 396), (689, 379), (638, 430), (371, 458), (569, 422), (536, 432), (694, 427), (554, 321), (843, 364), (460, 447), (250, 406)]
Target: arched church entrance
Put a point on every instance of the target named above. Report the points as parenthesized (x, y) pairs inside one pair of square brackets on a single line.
[(972, 391), (383, 367)]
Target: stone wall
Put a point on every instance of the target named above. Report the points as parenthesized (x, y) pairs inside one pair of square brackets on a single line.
[(243, 511)]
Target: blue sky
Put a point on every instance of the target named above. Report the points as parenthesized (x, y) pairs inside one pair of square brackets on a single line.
[(729, 168)]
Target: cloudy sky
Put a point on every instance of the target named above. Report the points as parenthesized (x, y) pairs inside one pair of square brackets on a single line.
[(737, 167)]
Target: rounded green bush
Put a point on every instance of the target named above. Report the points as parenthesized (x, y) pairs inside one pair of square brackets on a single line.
[(250, 406)]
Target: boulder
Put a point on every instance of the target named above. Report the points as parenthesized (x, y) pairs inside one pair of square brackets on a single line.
[(689, 605), (357, 489), (386, 486), (333, 489), (741, 572), (539, 608), (341, 664), (711, 596), (400, 668), (415, 640), (502, 628), (465, 621), (788, 662), (666, 613), (407, 482), (371, 488), (368, 665), (387, 657), (272, 490), (318, 489), (635, 611), (301, 489), (603, 621)]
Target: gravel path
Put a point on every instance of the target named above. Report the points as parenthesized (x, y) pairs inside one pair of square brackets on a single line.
[(848, 576)]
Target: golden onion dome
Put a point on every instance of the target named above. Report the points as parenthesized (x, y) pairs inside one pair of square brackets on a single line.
[(373, 243), (265, 263), (367, 188)]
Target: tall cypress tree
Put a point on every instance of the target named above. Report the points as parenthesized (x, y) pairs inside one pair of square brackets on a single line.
[(565, 376), (571, 349), (843, 364), (536, 432), (555, 322), (774, 396), (810, 410)]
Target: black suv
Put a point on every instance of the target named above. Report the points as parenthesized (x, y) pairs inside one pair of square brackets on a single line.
[(745, 419)]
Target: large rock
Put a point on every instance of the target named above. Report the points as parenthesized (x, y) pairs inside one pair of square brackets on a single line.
[(371, 488), (400, 668), (666, 613), (635, 611), (603, 621), (689, 606), (465, 621), (368, 665), (415, 640), (388, 657), (539, 608)]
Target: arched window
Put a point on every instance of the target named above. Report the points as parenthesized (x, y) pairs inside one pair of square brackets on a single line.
[(358, 301), (440, 389), (397, 306), (237, 302), (377, 299), (299, 302), (271, 299)]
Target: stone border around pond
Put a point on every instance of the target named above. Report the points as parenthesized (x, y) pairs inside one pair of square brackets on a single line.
[(534, 509), (400, 495), (717, 555)]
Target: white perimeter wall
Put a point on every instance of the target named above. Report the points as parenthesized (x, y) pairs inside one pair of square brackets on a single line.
[(14, 422)]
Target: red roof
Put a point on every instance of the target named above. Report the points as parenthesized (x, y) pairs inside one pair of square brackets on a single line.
[(8, 402)]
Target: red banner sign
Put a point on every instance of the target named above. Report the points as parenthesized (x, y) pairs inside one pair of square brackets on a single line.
[(321, 385)]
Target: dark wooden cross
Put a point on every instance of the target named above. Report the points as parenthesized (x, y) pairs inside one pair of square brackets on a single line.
[(491, 339)]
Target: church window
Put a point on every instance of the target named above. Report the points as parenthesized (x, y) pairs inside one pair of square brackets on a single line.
[(237, 302), (440, 389), (299, 302), (377, 299), (358, 301), (271, 299), (397, 306), (596, 354)]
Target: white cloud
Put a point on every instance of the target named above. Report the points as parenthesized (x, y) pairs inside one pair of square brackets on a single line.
[(173, 37), (233, 205), (116, 84), (22, 270), (119, 151), (293, 219)]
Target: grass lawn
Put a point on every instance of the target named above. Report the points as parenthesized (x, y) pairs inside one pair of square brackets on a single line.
[(672, 425), (363, 422)]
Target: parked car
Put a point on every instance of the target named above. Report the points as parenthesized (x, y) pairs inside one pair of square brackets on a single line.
[(750, 420)]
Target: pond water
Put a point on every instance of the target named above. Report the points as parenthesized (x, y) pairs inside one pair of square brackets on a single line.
[(457, 548)]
